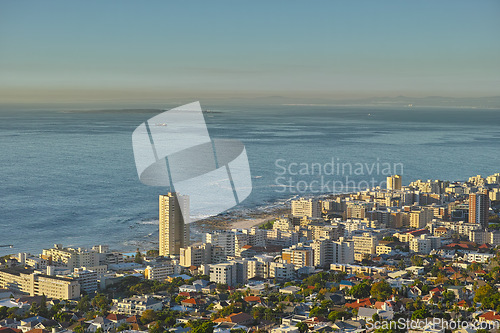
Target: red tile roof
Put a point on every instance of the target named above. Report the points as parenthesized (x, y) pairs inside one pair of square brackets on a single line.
[(133, 319), (9, 330), (237, 318), (490, 316), (252, 299), (365, 302), (115, 317), (192, 301)]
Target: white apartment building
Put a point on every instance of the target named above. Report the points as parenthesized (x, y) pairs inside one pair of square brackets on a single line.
[(365, 243), (136, 305), (477, 257), (195, 255), (86, 278), (281, 271), (29, 260), (230, 273), (306, 207), (162, 271), (71, 258), (424, 244), (327, 252), (222, 238)]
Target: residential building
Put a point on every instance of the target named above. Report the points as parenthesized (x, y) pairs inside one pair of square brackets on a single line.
[(69, 257), (479, 205), (394, 182), (162, 270), (26, 281), (298, 255), (174, 223), (136, 305), (306, 207), (365, 243)]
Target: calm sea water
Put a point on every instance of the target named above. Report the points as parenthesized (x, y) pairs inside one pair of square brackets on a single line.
[(70, 178)]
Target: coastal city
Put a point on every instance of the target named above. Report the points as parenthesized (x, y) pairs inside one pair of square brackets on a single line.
[(417, 258)]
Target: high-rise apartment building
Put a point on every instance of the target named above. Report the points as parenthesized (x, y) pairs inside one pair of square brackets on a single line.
[(365, 243), (306, 207), (298, 255), (420, 218), (479, 205), (174, 223), (394, 182)]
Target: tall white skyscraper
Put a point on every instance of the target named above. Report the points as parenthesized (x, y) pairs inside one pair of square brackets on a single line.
[(174, 223)]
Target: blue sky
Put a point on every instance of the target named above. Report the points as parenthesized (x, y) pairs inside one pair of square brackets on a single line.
[(104, 50)]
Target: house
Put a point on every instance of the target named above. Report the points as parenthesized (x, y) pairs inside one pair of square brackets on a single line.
[(436, 291), (285, 329), (336, 298), (190, 288), (31, 323), (385, 306), (116, 318), (136, 305), (414, 292), (209, 288), (38, 330), (366, 314), (367, 302), (346, 284), (239, 318), (9, 330), (134, 322), (9, 323), (202, 283), (100, 322), (464, 305), (220, 305), (489, 317), (457, 290), (347, 326), (252, 300), (192, 302), (415, 270), (289, 290)]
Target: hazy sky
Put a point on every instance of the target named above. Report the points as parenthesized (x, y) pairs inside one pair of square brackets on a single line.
[(118, 50)]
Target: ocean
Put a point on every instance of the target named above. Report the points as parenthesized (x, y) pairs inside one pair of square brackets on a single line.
[(69, 176)]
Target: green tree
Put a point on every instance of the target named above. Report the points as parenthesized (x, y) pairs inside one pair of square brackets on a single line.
[(3, 312), (152, 253), (417, 260), (100, 302), (303, 328), (361, 290), (381, 290), (138, 257), (123, 327), (79, 329), (221, 287), (206, 327), (156, 328), (420, 314), (148, 316)]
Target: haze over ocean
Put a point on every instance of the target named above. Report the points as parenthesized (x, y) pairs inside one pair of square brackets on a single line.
[(70, 177)]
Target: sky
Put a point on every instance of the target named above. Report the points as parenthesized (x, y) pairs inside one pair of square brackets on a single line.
[(92, 51)]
